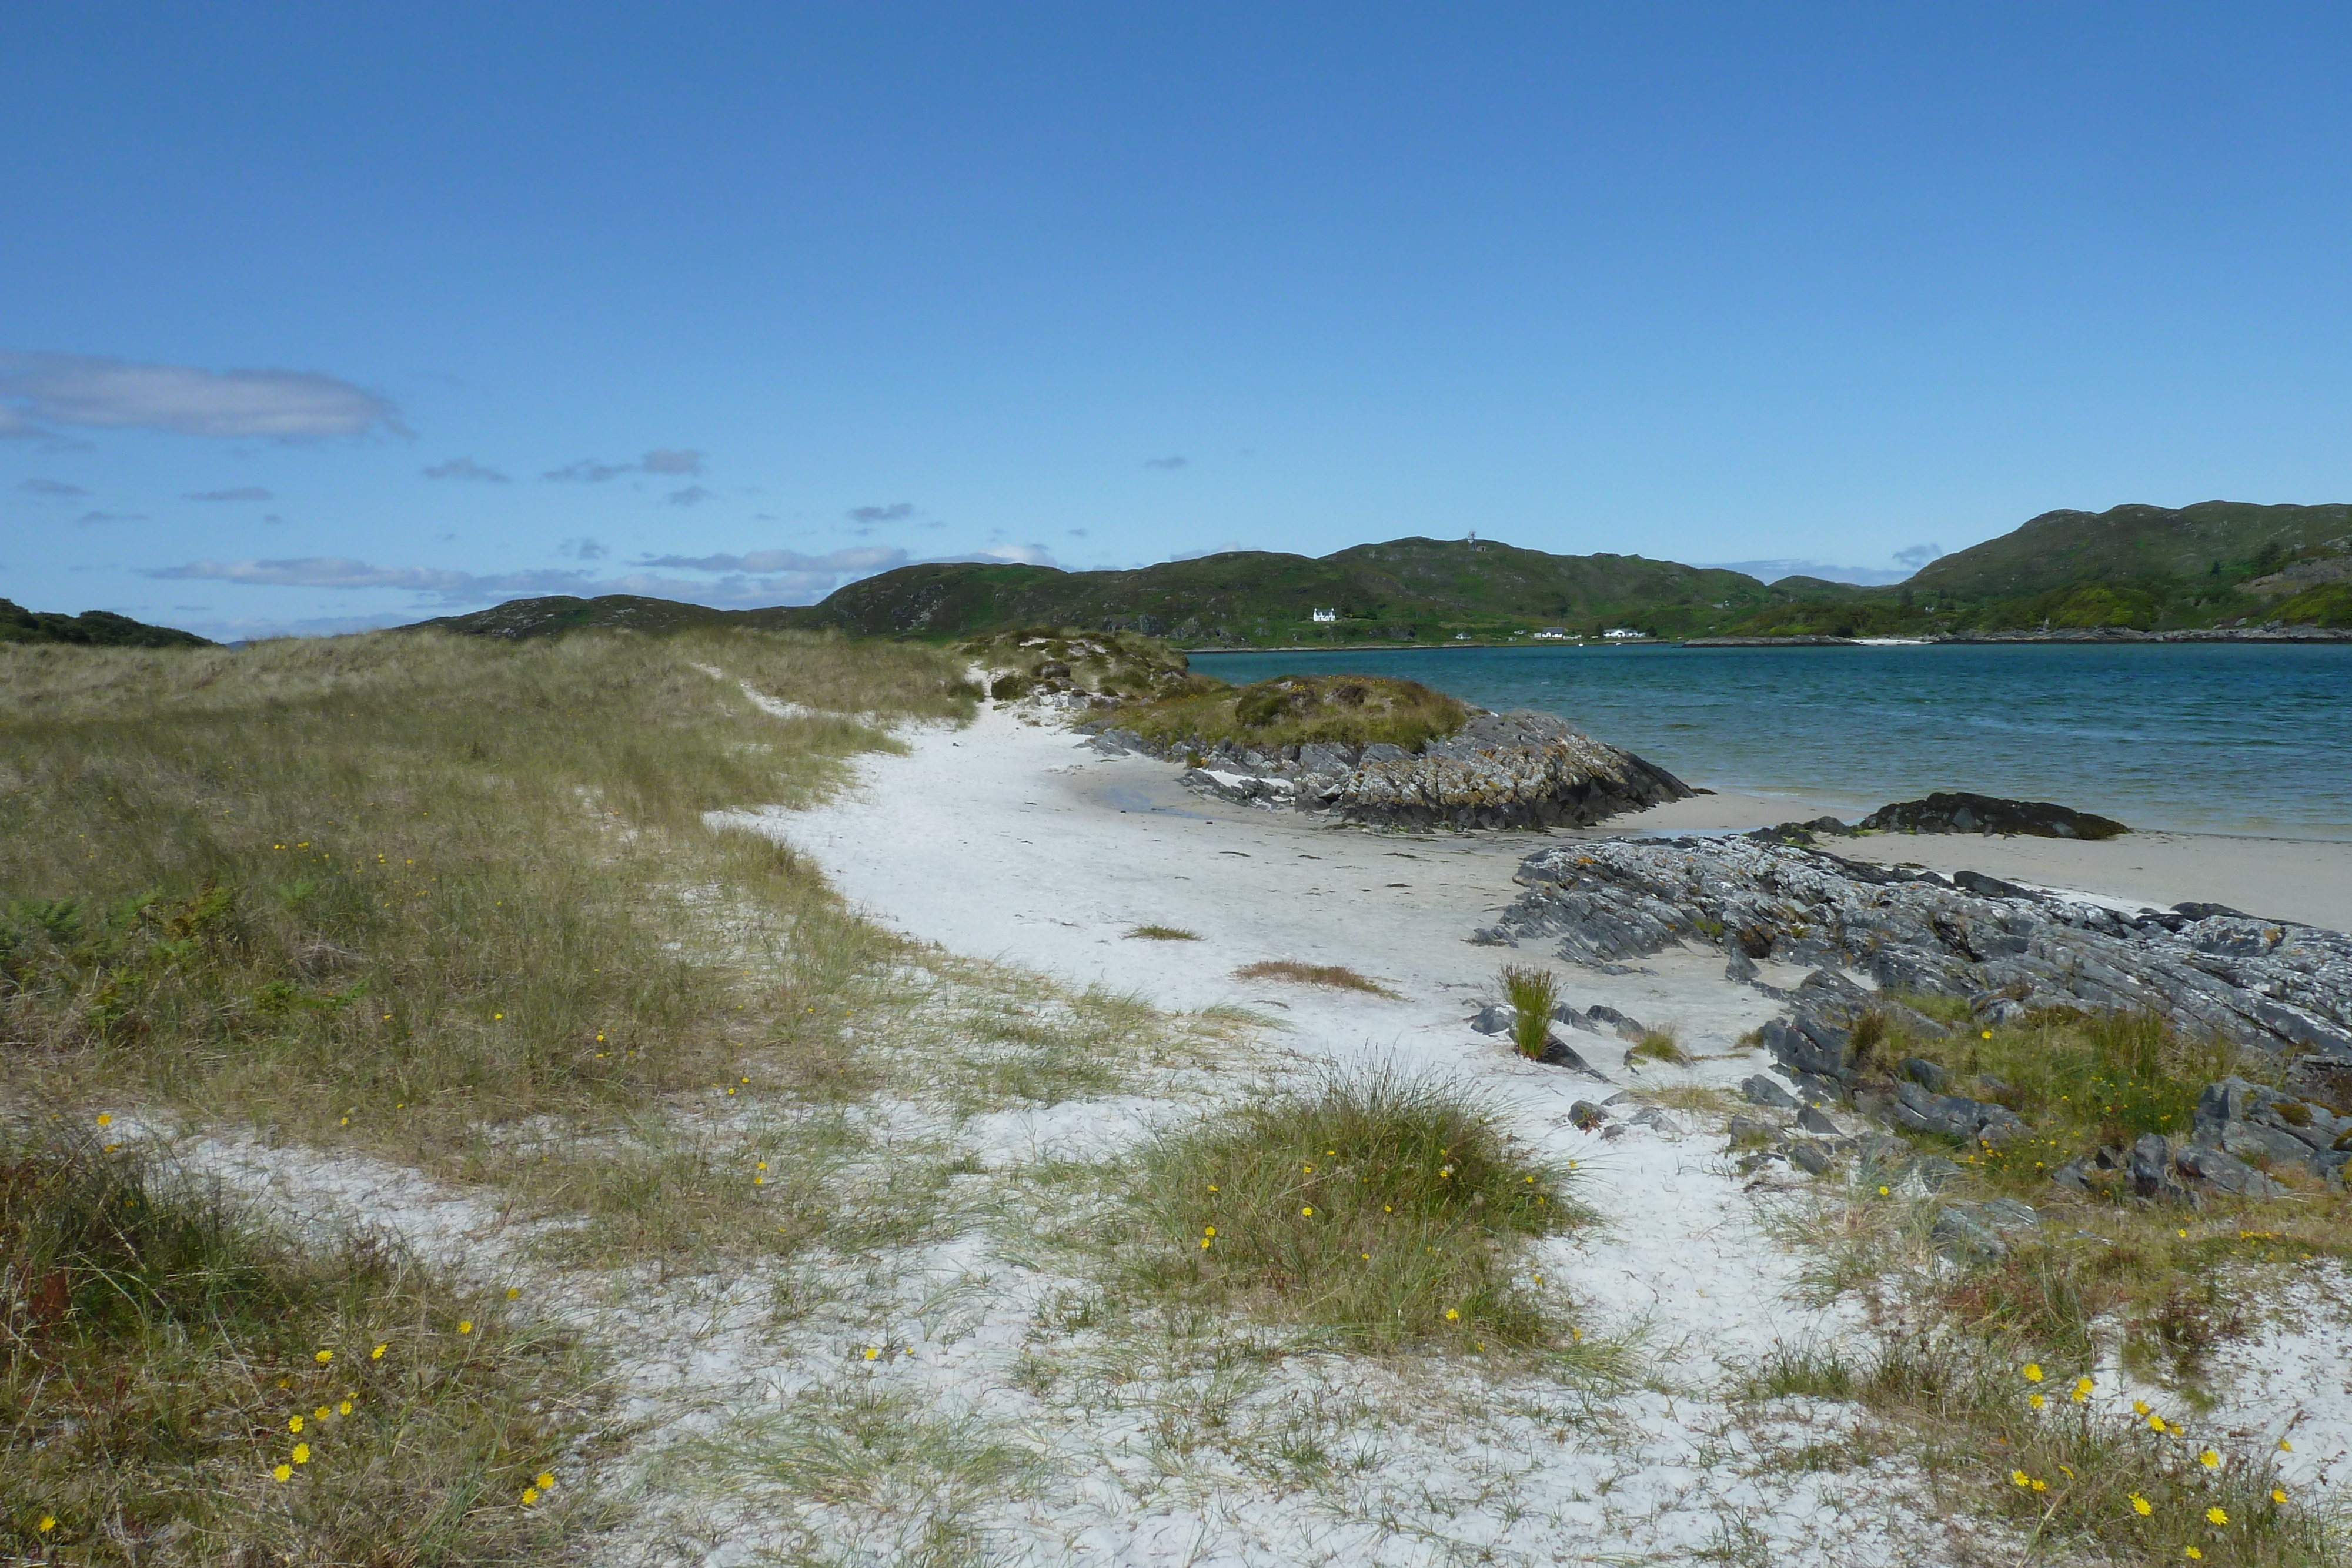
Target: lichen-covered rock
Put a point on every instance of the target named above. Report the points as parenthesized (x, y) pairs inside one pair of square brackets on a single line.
[(2282, 988), (1520, 769)]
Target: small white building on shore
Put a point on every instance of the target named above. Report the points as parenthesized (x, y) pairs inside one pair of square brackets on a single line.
[(1326, 615)]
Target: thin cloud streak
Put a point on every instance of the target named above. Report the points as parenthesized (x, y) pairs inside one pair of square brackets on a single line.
[(100, 393)]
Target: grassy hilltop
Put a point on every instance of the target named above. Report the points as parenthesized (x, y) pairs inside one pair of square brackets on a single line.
[(2150, 568), (91, 628)]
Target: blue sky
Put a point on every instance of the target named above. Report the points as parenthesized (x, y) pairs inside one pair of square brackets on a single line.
[(329, 315)]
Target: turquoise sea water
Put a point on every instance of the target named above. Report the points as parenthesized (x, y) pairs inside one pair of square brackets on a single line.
[(2226, 737)]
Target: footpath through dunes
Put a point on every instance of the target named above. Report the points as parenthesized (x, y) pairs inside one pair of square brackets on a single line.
[(1759, 1281)]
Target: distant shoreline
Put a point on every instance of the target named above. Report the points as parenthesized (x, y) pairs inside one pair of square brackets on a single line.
[(2095, 636)]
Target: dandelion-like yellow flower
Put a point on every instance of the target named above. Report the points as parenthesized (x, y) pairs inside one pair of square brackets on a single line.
[(1212, 1188), (345, 1408), (1886, 1192), (2285, 1446), (2156, 1423), (2141, 1506), (282, 1473), (1453, 1315), (2083, 1386), (1366, 1255), (2209, 1460), (377, 1353), (294, 1423), (2217, 1514), (2193, 1554), (2019, 1478), (320, 1414), (1308, 1212), (873, 1350), (465, 1325), (48, 1522), (544, 1482), (514, 1293), (2035, 1400), (2140, 1406), (529, 1496), (2032, 1372), (105, 1119), (301, 1453), (2040, 1485), (1210, 1230), (2278, 1494), (1306, 1170), (1206, 1244)]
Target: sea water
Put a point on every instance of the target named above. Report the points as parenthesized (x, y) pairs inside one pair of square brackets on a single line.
[(2212, 738)]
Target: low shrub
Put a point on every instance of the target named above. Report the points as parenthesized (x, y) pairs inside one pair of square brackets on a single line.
[(1532, 993), (1297, 710)]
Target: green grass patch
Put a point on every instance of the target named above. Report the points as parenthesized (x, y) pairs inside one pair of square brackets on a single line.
[(1164, 934), (1386, 1208), (1532, 993), (1295, 710), (182, 1383)]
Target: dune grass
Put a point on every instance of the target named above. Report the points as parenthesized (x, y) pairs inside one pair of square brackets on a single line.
[(1164, 934), (1532, 993), (182, 1383), (1385, 1209), (1336, 977), (1297, 710), (384, 890)]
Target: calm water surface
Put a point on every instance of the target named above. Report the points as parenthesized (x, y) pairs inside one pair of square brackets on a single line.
[(2219, 739)]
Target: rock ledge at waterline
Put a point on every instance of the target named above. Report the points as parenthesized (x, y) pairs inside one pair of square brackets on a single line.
[(1516, 769)]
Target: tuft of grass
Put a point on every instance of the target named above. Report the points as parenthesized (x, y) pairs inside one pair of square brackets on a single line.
[(1164, 934), (2070, 1477), (1384, 1207), (1532, 993), (164, 1351), (1300, 710), (1660, 1045), (1337, 977)]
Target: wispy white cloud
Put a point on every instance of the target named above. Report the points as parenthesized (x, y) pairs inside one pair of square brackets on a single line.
[(895, 512), (49, 487), (86, 519), (671, 460), (692, 496), (96, 392), (242, 493), (465, 468), (1171, 463), (860, 560)]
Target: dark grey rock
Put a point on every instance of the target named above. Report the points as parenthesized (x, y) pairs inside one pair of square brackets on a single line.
[(2074, 1175), (1586, 1115), (1626, 1028), (1809, 1157), (1557, 1052), (2010, 1214), (1493, 1019), (1964, 813), (1812, 1120), (1935, 1172), (1740, 969), (1568, 1015), (2225, 1173), (1925, 1074), (1761, 1091), (1964, 1232), (1743, 1128)]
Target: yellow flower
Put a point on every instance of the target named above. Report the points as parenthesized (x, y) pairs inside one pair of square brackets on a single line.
[(48, 1522), (105, 1120), (545, 1482), (1206, 1244), (2140, 1406), (320, 1414), (377, 1353), (465, 1325), (2278, 1494), (2032, 1372), (529, 1496), (294, 1423), (2194, 1555), (283, 1472), (1211, 1231), (2041, 1486), (1212, 1189), (1308, 1212), (345, 1408), (2019, 1478), (1986, 1035), (301, 1453), (1886, 1192), (873, 1350), (2141, 1506), (2217, 1514), (2285, 1446), (2083, 1386), (1306, 1170), (2156, 1423), (1453, 1315), (2034, 1400)]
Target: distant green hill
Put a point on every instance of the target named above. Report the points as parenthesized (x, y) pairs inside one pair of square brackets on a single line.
[(2151, 568), (2145, 567), (95, 628), (1412, 589)]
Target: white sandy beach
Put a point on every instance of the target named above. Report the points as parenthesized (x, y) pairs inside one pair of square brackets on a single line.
[(1013, 841)]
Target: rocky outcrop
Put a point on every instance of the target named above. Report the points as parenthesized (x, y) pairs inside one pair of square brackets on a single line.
[(2272, 986), (1520, 769), (1963, 813)]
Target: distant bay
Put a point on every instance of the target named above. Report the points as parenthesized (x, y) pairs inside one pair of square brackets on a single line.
[(2231, 738)]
